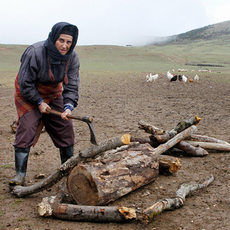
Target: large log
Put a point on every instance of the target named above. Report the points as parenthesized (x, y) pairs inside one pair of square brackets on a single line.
[(177, 202), (21, 191), (97, 183)]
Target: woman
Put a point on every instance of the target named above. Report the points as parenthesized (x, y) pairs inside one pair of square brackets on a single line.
[(48, 78)]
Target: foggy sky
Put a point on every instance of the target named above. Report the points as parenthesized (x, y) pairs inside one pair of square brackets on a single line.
[(108, 22)]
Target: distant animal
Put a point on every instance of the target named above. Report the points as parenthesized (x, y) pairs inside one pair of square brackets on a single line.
[(174, 78), (196, 78), (151, 78), (205, 70), (184, 79), (169, 76), (182, 70)]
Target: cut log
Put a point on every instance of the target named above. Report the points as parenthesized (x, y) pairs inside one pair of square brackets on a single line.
[(185, 124), (94, 213), (177, 202), (168, 164), (210, 146), (114, 142), (96, 183), (191, 150), (51, 206)]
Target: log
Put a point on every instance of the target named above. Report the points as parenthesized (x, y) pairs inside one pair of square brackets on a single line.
[(211, 146), (97, 183), (65, 168), (191, 150), (177, 202), (202, 138)]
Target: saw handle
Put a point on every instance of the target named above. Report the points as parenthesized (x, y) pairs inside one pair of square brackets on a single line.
[(85, 119)]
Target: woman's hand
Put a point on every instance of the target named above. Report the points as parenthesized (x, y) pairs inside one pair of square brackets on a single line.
[(65, 114), (42, 107)]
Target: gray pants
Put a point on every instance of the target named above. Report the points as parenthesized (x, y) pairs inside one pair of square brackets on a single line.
[(60, 131)]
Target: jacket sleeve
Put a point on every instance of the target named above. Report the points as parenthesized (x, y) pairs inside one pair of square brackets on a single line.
[(27, 75), (71, 90)]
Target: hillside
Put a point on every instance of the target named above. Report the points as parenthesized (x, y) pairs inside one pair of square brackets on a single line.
[(210, 32)]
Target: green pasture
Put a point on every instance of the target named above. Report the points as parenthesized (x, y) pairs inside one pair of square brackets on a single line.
[(112, 61)]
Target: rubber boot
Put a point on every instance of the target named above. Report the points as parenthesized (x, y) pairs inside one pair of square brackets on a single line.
[(21, 158), (66, 153)]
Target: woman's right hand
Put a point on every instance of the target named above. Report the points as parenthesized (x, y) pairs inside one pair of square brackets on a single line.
[(42, 107)]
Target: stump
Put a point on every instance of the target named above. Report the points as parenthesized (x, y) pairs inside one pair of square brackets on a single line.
[(96, 183)]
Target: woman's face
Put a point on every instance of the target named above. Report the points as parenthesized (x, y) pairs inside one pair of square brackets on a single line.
[(64, 43)]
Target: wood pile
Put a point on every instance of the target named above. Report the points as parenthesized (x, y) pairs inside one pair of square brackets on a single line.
[(119, 165)]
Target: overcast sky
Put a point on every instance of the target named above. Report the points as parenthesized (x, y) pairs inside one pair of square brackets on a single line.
[(108, 22)]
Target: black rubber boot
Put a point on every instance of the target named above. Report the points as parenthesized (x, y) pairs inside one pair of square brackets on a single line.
[(66, 153), (21, 158)]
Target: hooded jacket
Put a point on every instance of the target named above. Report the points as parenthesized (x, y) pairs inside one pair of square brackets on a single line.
[(34, 67)]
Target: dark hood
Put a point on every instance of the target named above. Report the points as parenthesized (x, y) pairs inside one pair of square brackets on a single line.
[(54, 35)]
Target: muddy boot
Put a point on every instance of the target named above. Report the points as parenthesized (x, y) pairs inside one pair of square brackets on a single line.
[(21, 158), (66, 153)]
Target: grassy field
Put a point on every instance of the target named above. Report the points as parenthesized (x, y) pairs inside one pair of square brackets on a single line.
[(112, 61)]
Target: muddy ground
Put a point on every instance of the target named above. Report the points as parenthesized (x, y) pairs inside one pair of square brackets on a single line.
[(117, 104)]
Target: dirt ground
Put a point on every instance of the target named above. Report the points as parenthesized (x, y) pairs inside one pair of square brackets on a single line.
[(117, 104)]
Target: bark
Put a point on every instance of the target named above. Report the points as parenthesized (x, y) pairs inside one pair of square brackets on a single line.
[(177, 202), (97, 183), (21, 191), (191, 150), (211, 146)]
